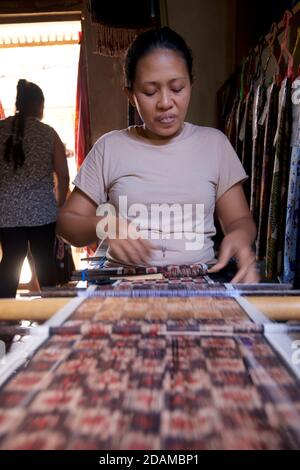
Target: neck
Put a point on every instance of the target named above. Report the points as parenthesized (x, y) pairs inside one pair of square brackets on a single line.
[(157, 139)]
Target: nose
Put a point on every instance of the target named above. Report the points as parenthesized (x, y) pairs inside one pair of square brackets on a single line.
[(164, 100)]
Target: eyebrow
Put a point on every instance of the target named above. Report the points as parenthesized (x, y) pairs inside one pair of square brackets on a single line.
[(172, 80)]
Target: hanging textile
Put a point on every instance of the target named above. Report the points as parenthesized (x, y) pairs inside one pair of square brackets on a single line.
[(297, 270), (293, 204), (280, 181), (269, 120), (278, 202), (246, 139), (118, 23), (257, 118), (230, 124), (240, 112), (258, 130), (2, 113), (82, 114)]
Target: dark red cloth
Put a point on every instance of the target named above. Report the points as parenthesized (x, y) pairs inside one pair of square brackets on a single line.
[(82, 113)]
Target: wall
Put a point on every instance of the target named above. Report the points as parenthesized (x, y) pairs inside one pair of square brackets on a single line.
[(208, 26)]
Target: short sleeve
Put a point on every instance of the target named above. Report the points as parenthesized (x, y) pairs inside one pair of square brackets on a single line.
[(231, 171), (90, 177)]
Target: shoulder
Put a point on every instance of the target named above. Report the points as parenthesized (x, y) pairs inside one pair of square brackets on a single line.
[(111, 137), (206, 133), (108, 143), (42, 125), (40, 128)]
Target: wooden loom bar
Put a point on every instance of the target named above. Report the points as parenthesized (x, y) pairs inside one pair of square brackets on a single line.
[(37, 309), (278, 308)]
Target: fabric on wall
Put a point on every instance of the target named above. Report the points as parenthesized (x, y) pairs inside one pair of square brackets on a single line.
[(119, 23)]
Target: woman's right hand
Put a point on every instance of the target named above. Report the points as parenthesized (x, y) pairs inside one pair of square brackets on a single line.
[(124, 243), (135, 252)]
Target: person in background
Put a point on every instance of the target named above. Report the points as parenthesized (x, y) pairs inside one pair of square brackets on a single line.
[(31, 154)]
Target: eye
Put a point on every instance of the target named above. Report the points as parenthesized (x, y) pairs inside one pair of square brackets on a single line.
[(178, 91), (149, 94)]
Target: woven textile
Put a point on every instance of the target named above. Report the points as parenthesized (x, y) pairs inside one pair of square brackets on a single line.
[(279, 191), (142, 391), (269, 118)]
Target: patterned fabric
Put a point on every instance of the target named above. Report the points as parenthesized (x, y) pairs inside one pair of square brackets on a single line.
[(246, 138), (293, 204), (269, 119), (230, 123), (147, 374), (239, 120), (167, 271), (278, 202), (202, 312), (257, 151), (27, 196), (126, 385)]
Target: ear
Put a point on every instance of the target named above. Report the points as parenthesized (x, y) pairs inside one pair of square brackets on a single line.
[(129, 95)]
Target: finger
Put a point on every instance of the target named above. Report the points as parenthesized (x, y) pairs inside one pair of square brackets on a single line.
[(252, 276), (245, 273), (225, 255), (132, 252), (120, 255), (145, 249), (135, 252), (246, 264)]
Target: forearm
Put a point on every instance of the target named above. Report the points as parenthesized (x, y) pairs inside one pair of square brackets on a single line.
[(246, 228), (62, 191), (76, 229)]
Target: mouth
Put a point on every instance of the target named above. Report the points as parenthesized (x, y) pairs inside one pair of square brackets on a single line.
[(167, 119)]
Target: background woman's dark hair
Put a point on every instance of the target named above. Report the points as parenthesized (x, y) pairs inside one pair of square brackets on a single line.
[(29, 100), (145, 43)]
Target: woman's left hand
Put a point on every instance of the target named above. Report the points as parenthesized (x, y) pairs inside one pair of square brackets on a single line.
[(237, 244)]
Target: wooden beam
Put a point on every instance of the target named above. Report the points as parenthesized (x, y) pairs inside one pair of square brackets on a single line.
[(37, 309), (40, 17), (40, 43), (277, 308)]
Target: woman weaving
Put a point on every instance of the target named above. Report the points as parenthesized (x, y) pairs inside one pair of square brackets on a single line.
[(166, 161)]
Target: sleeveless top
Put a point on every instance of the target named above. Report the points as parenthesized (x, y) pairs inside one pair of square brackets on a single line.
[(27, 196)]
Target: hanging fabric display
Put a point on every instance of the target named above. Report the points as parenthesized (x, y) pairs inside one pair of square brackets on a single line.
[(119, 23), (258, 129), (256, 115), (278, 202), (269, 119)]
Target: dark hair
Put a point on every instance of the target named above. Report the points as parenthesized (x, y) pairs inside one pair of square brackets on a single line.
[(28, 103), (163, 38)]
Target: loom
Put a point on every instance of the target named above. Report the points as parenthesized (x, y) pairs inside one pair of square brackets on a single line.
[(177, 363)]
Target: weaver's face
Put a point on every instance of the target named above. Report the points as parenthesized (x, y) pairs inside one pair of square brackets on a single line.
[(161, 92)]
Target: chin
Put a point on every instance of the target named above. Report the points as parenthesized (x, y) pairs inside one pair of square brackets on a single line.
[(168, 132)]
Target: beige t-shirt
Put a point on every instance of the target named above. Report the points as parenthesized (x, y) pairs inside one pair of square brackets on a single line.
[(192, 171)]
